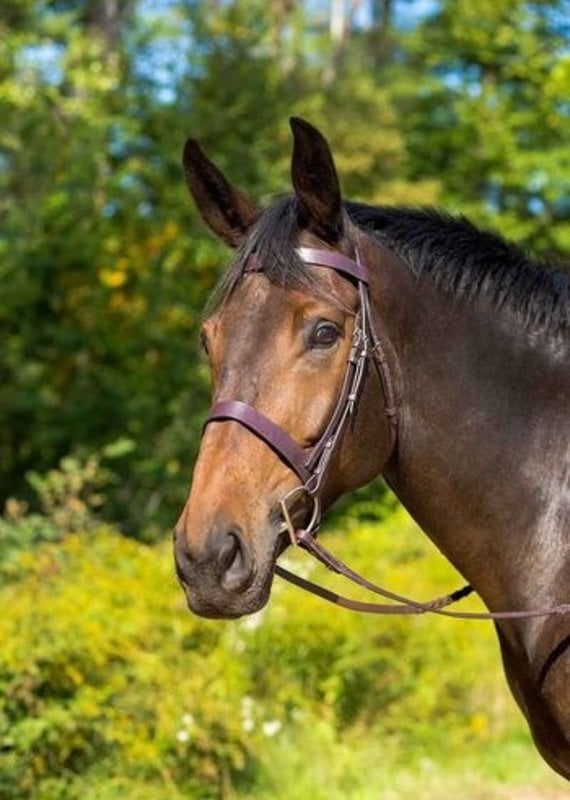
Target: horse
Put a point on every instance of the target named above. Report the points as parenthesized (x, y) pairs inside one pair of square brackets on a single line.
[(449, 349)]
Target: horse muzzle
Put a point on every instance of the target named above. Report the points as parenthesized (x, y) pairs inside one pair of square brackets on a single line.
[(223, 579)]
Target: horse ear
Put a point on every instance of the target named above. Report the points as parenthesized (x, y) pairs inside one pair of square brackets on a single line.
[(315, 181), (227, 211)]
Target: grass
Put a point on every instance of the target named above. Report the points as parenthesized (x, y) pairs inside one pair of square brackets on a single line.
[(312, 762)]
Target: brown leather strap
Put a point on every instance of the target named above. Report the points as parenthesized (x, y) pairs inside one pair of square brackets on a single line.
[(403, 609), (320, 258), (553, 657), (274, 436), (405, 605), (339, 600), (334, 260)]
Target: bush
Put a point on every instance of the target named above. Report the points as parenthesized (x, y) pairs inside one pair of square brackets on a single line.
[(105, 679), (90, 652)]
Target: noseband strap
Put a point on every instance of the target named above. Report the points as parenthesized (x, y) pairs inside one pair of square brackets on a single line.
[(274, 436)]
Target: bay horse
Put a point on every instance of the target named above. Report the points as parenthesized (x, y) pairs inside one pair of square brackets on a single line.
[(449, 350)]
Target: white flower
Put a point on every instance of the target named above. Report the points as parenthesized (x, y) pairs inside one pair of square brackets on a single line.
[(183, 736), (247, 703), (187, 720), (271, 727), (253, 621), (248, 724)]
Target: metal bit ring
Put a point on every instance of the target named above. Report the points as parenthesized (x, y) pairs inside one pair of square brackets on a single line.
[(314, 519)]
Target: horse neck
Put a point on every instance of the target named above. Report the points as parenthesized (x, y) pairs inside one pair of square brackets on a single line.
[(482, 453)]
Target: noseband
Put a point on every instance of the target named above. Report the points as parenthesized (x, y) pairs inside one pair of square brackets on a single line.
[(311, 465)]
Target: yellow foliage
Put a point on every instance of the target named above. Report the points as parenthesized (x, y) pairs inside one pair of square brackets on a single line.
[(113, 277), (103, 671)]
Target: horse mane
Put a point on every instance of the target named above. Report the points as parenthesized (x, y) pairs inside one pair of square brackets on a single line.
[(467, 262), (460, 259)]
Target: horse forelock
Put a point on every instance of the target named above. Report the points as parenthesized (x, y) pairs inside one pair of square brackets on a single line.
[(273, 240)]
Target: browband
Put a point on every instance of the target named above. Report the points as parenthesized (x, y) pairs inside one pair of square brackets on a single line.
[(334, 260), (320, 258)]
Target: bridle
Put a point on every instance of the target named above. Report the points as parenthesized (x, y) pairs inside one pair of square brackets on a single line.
[(311, 466)]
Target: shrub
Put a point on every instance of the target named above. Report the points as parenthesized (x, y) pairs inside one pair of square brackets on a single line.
[(107, 681)]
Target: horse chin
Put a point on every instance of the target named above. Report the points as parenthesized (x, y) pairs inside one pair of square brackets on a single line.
[(224, 607)]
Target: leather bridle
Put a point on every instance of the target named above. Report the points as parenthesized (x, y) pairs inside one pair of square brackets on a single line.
[(311, 466)]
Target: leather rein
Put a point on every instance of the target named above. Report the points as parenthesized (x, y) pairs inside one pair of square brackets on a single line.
[(311, 466)]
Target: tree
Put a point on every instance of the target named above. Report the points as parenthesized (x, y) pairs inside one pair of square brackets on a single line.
[(493, 121), (104, 264)]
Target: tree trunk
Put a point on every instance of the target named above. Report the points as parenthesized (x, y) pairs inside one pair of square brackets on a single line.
[(106, 18), (381, 34)]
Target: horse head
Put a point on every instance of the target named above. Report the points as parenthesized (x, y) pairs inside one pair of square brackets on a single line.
[(278, 345)]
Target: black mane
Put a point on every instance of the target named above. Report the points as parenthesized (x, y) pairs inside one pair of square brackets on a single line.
[(466, 262), (460, 259)]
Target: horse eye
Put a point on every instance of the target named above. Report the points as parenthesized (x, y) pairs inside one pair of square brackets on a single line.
[(324, 334)]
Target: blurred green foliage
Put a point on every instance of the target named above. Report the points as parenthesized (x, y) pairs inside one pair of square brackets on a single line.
[(109, 688), (104, 266)]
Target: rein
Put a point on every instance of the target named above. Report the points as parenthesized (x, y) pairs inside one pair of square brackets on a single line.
[(311, 466)]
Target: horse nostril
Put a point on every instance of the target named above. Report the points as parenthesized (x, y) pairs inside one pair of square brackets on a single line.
[(229, 552), (235, 563)]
